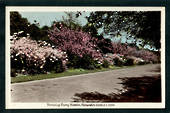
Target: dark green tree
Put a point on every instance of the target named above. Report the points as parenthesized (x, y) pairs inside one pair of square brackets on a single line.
[(18, 23), (139, 25)]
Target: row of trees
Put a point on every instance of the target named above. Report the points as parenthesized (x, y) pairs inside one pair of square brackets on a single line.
[(67, 44), (144, 25)]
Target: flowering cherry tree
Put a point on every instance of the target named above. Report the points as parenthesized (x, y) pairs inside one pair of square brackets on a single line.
[(75, 42), (119, 48)]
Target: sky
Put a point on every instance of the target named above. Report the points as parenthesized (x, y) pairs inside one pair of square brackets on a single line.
[(46, 18)]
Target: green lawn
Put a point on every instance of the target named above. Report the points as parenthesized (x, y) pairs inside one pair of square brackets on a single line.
[(69, 72)]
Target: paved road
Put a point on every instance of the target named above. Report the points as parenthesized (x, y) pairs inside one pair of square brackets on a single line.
[(63, 89)]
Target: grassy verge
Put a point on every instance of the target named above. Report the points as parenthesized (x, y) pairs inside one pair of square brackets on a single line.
[(69, 72)]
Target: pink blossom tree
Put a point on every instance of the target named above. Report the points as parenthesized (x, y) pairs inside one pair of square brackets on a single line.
[(75, 42)]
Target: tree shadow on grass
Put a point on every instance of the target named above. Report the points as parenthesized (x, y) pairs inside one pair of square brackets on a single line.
[(135, 89)]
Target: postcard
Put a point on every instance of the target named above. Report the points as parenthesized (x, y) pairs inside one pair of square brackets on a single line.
[(85, 57)]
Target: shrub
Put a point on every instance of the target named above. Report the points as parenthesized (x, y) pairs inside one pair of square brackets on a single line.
[(124, 49), (86, 62), (55, 65), (118, 62), (98, 65), (146, 55), (73, 61), (114, 59), (129, 61), (35, 57), (105, 64), (13, 73), (105, 45), (139, 61), (109, 57)]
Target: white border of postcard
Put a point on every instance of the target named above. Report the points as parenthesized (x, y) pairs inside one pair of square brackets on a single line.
[(11, 105)]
